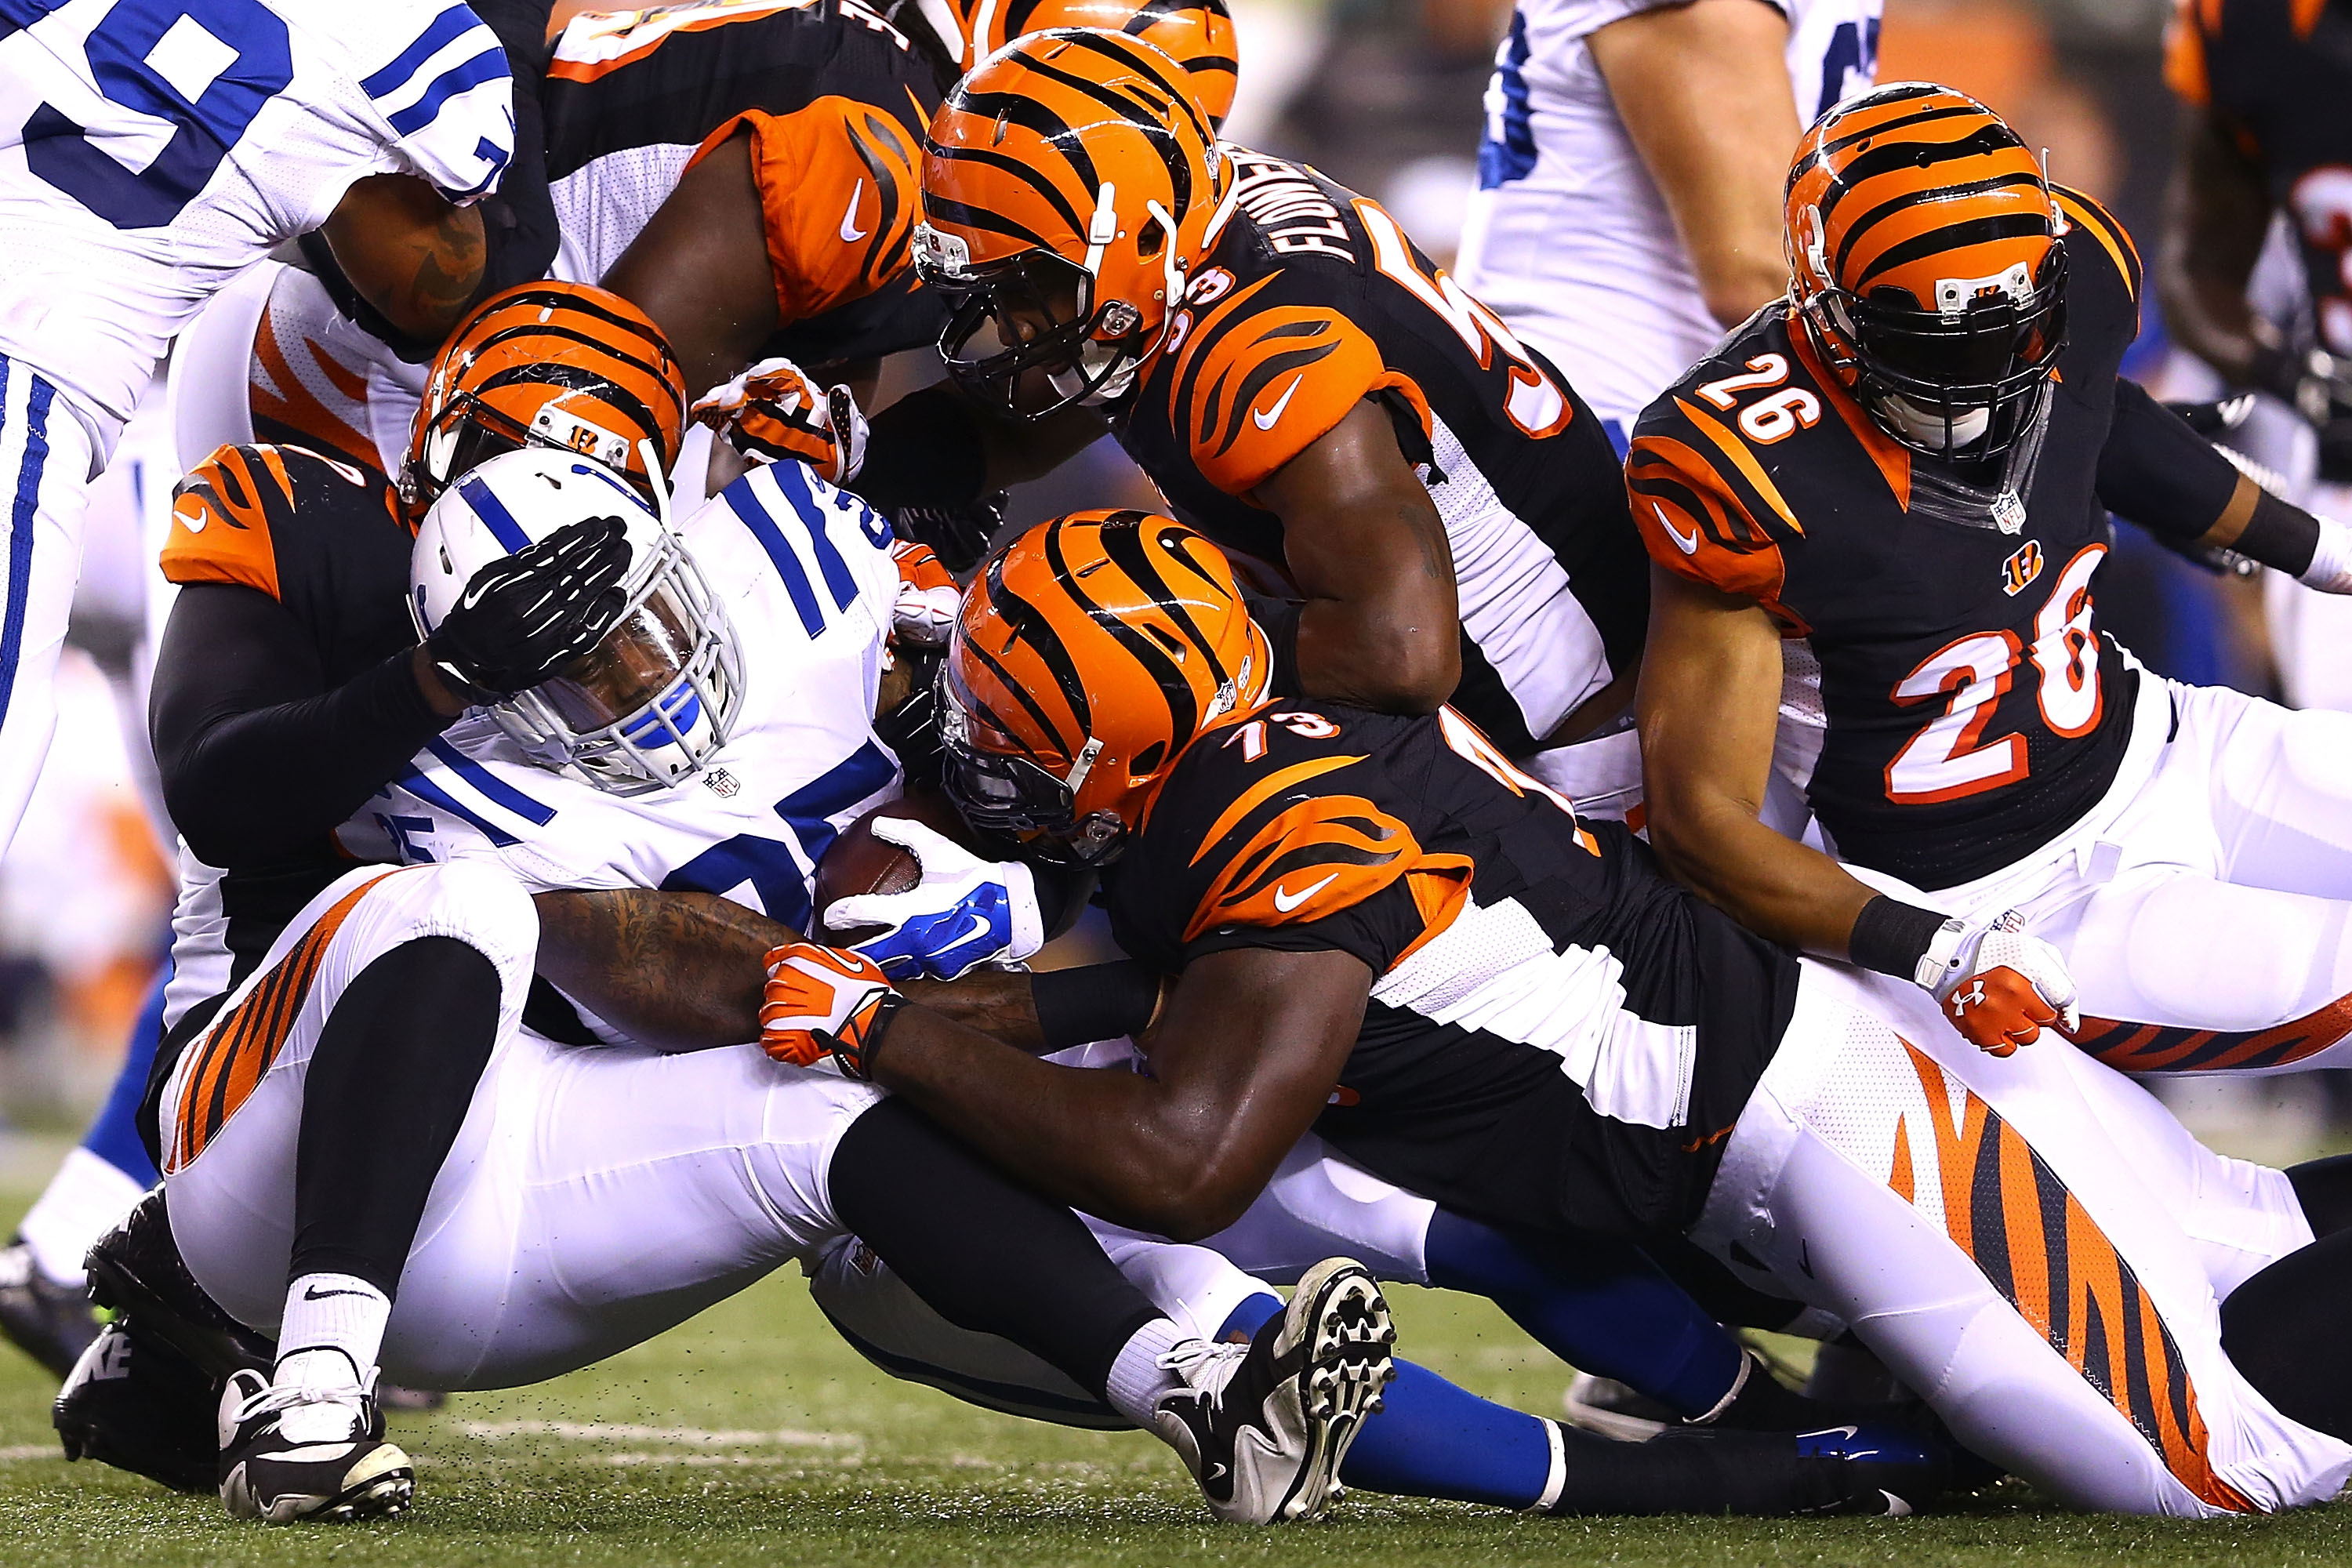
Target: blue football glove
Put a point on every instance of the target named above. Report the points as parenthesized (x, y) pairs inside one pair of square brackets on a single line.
[(966, 911)]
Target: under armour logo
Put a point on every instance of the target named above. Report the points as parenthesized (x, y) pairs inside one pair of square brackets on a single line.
[(1973, 996)]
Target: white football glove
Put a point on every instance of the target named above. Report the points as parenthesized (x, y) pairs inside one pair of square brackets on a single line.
[(964, 913), (1998, 985)]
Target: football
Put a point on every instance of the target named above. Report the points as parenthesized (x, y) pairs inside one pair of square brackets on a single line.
[(860, 863)]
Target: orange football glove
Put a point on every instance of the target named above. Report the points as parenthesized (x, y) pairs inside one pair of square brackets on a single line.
[(775, 413), (927, 596), (824, 1000), (1999, 993)]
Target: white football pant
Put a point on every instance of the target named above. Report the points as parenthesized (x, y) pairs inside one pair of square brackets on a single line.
[(594, 1197), (2002, 1249)]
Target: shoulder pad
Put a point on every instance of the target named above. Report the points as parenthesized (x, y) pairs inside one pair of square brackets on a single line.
[(838, 195), (1259, 379), (234, 509), (2114, 250), (1705, 506)]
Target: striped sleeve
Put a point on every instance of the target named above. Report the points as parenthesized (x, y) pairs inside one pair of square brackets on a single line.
[(448, 96), (1701, 513), (2086, 218)]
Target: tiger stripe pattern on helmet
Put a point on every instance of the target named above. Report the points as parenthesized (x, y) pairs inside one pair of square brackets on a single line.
[(231, 513), (1913, 184), (554, 364), (236, 1051), (1116, 637), (2040, 1249), (1197, 35)]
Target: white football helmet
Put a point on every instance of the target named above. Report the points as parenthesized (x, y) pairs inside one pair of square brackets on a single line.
[(651, 703)]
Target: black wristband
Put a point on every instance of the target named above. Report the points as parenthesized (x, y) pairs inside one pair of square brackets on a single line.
[(2279, 534), (1892, 938), (1098, 1002), (924, 450), (855, 1057)]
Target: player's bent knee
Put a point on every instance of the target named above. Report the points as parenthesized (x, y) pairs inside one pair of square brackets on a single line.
[(484, 907)]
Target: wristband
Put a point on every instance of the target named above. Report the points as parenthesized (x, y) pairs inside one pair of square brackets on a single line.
[(1900, 939), (2330, 569), (853, 1050), (1097, 1002)]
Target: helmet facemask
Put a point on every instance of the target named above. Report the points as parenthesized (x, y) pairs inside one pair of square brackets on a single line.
[(658, 696), (1000, 790), (467, 430)]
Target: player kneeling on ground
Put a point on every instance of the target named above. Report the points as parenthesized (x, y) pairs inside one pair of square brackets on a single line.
[(1380, 928)]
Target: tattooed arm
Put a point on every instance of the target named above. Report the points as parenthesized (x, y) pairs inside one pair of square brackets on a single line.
[(679, 970), (411, 254)]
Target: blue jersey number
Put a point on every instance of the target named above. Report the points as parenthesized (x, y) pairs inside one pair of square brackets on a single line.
[(240, 49), (1853, 53), (768, 864)]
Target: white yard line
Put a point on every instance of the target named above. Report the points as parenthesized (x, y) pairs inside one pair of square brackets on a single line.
[(691, 1436)]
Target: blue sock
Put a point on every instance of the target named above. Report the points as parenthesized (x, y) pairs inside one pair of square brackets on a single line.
[(1433, 1439), (1604, 1307), (113, 1136)]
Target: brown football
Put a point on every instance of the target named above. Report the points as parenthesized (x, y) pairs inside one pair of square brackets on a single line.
[(860, 863)]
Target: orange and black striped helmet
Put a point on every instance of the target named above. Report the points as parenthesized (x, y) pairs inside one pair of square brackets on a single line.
[(547, 364), (1089, 654), (1196, 34), (1923, 252), (1069, 183)]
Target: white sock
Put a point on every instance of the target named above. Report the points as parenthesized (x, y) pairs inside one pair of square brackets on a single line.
[(86, 1198), (1138, 1381), (338, 1312)]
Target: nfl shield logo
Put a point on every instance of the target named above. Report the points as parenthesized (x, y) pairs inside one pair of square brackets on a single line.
[(723, 783)]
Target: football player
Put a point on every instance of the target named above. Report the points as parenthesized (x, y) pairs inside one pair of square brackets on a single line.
[(153, 155), (2261, 142), (1908, 471), (1379, 927), (1295, 377)]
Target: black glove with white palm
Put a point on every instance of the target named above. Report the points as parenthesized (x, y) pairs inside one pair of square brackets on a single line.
[(524, 616)]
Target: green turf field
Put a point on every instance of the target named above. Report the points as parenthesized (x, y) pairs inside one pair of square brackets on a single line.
[(753, 1435)]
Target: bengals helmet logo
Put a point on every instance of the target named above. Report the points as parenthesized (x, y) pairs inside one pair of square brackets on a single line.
[(2021, 569)]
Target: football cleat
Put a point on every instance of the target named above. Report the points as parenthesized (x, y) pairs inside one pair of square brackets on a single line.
[(136, 1403), (1878, 1469), (301, 1451), (136, 1269), (48, 1321), (1613, 1409), (1263, 1427)]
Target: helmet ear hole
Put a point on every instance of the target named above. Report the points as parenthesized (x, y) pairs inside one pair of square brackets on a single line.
[(1151, 238), (1148, 760)]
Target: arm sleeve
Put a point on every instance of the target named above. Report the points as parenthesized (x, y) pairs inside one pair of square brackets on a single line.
[(258, 758), (2158, 473)]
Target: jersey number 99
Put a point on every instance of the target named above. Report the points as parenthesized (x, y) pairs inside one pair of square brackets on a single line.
[(236, 54)]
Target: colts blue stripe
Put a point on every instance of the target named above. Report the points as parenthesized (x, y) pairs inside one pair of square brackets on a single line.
[(453, 23), (491, 785), (865, 773), (804, 505), (490, 65), (20, 526), (425, 789), (494, 514), (740, 501)]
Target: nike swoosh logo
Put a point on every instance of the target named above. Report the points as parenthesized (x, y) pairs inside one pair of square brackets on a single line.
[(312, 1293), (193, 520), (1286, 901), (1263, 418), (1686, 543), (1849, 1433), (850, 233)]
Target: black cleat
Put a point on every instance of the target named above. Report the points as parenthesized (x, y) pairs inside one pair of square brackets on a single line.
[(138, 1404), (136, 1269), (1264, 1428), (296, 1452), (48, 1321)]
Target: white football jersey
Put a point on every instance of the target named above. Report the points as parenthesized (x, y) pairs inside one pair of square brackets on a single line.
[(151, 148), (1568, 238), (805, 574)]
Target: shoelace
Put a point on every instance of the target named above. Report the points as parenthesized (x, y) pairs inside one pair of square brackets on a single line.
[(275, 1398), (1203, 1365)]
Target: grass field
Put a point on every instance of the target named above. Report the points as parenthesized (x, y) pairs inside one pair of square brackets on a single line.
[(752, 1434)]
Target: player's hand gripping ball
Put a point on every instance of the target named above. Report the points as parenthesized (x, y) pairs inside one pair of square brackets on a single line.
[(2002, 994), (775, 413), (962, 912), (824, 1001)]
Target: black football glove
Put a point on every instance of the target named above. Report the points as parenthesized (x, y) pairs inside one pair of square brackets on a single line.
[(522, 618), (960, 533)]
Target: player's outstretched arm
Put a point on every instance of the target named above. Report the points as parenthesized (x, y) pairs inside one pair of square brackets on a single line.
[(679, 970), (1709, 701), (409, 252), (1704, 93), (1381, 628), (700, 267), (1243, 1056)]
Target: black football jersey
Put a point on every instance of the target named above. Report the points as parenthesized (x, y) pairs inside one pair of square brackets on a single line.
[(1974, 710), (835, 99), (1310, 299), (1557, 1035), (2276, 75)]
